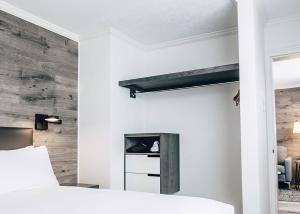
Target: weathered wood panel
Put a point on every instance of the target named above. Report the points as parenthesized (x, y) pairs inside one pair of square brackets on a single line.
[(38, 74)]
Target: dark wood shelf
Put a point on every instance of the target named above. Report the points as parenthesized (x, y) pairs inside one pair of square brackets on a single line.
[(94, 186), (148, 153), (186, 79), (144, 135)]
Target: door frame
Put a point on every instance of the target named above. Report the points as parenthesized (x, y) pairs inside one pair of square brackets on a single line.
[(271, 123)]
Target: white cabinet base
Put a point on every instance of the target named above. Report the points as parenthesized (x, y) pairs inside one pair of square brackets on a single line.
[(142, 164), (142, 183)]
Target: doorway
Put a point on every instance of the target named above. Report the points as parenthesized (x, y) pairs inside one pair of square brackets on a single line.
[(284, 134)]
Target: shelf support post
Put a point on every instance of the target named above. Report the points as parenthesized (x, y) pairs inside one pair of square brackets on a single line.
[(132, 93)]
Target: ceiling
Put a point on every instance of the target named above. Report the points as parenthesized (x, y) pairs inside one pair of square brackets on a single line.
[(146, 21), (286, 72)]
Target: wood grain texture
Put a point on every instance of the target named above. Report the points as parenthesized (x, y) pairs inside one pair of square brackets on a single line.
[(185, 79), (38, 74), (169, 163)]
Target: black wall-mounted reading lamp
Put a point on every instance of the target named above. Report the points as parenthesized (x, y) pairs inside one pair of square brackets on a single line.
[(42, 120)]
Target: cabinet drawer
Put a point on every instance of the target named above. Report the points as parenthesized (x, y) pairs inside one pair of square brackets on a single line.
[(142, 183), (142, 164)]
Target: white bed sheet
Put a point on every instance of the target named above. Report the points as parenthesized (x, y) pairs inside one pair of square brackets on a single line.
[(75, 200)]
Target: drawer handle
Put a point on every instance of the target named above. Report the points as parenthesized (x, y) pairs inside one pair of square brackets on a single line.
[(153, 175), (153, 156)]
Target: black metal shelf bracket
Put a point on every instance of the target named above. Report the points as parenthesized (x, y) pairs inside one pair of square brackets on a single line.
[(132, 93)]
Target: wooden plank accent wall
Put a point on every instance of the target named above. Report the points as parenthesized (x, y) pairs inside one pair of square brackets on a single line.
[(287, 112), (38, 74)]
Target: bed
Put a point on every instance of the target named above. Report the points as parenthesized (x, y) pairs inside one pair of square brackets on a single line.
[(36, 191)]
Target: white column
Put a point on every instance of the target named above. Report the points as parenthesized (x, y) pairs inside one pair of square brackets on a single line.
[(253, 115)]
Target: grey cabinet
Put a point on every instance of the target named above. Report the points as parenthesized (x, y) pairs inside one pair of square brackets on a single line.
[(146, 171)]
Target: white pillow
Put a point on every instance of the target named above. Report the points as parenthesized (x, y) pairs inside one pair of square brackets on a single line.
[(26, 169)]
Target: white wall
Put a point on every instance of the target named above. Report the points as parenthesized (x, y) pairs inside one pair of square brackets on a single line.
[(208, 123), (194, 55), (125, 60), (282, 36), (206, 118), (253, 116), (94, 111), (105, 110)]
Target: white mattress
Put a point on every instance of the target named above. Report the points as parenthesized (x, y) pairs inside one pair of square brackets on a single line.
[(75, 200)]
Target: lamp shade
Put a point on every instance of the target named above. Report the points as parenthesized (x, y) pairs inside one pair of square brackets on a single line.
[(52, 119), (296, 127)]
